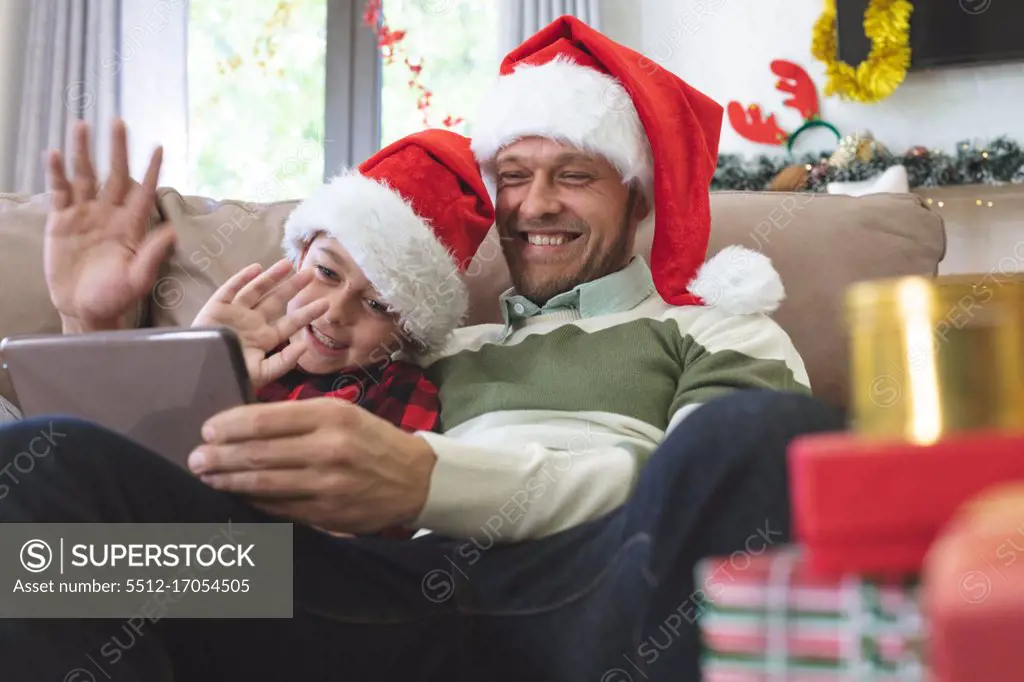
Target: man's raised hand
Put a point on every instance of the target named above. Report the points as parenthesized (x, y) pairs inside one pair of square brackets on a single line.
[(99, 261)]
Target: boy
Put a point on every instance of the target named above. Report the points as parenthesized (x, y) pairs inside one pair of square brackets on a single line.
[(381, 250)]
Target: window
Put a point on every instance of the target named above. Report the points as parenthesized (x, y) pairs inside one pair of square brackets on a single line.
[(257, 102), (455, 42), (256, 76)]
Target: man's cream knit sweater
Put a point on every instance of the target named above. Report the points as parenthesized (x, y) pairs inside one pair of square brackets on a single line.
[(548, 419)]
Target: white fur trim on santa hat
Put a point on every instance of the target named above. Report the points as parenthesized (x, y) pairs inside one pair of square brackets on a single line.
[(739, 281), (564, 101), (395, 248)]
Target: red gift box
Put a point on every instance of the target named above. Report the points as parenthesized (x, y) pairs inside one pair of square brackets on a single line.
[(874, 507), (973, 592)]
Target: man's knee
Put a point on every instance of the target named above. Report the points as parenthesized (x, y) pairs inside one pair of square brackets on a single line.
[(31, 444), (759, 411), (745, 424), (756, 401)]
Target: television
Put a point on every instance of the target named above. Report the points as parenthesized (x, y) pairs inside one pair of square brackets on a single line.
[(943, 32)]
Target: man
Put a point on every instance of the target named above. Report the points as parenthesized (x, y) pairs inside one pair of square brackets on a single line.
[(563, 536)]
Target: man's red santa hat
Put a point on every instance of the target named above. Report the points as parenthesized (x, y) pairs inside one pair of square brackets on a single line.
[(570, 83), (411, 216)]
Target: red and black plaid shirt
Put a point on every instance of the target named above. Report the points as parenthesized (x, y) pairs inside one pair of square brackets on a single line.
[(394, 390)]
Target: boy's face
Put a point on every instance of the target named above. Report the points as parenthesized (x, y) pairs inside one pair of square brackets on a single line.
[(356, 330)]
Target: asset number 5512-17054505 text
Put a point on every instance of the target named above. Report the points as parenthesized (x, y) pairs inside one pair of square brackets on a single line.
[(239, 585)]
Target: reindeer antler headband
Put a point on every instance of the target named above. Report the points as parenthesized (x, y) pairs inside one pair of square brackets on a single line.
[(750, 123)]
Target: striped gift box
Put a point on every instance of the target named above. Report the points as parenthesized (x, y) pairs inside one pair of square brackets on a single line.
[(765, 618)]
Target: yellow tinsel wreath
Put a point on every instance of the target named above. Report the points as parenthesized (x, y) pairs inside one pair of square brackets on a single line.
[(887, 25)]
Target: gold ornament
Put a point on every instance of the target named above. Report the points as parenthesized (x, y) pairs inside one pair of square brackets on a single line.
[(887, 25), (859, 147), (791, 178)]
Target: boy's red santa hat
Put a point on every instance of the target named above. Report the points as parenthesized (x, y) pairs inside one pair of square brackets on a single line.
[(411, 216), (570, 83)]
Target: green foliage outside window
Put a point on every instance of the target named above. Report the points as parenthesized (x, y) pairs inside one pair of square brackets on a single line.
[(456, 40), (256, 86), (256, 98)]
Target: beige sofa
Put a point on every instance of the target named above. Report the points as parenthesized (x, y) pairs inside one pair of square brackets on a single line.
[(819, 244)]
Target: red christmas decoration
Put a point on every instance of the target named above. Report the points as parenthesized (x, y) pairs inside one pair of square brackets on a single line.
[(793, 79), (752, 125), (390, 42)]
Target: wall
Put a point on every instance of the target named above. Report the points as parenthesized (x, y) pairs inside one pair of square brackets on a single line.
[(724, 48), (13, 29), (621, 22)]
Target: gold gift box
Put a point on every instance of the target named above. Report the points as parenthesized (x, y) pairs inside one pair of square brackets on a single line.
[(934, 356)]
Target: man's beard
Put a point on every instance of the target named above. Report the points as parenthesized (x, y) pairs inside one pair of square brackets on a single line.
[(594, 266)]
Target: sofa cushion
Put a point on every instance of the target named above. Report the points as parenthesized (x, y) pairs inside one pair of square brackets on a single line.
[(820, 244), (216, 239), (25, 306)]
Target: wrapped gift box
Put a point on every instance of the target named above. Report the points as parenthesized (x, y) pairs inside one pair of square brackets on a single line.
[(767, 617), (973, 590), (873, 506)]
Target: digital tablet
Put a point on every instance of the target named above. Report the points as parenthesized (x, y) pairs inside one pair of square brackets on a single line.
[(156, 386)]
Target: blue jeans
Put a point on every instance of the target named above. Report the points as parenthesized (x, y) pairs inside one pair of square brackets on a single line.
[(612, 600)]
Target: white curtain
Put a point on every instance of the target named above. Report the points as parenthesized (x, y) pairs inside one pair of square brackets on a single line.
[(519, 19), (70, 72), (13, 27)]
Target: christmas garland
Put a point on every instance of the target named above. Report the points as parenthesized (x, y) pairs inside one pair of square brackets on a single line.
[(999, 162), (887, 25)]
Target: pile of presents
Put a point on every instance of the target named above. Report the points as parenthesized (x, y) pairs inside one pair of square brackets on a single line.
[(908, 555)]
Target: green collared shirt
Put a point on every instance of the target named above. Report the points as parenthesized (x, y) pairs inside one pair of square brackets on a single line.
[(617, 292)]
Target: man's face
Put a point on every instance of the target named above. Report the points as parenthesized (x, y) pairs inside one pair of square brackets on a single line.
[(564, 216), (356, 330)]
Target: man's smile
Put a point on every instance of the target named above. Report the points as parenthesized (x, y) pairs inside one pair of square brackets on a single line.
[(545, 246), (548, 239)]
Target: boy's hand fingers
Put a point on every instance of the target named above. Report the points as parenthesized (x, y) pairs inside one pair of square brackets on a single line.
[(279, 364), (275, 303), (229, 290), (290, 324), (252, 293)]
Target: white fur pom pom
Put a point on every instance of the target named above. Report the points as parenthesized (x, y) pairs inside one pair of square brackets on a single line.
[(739, 281)]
